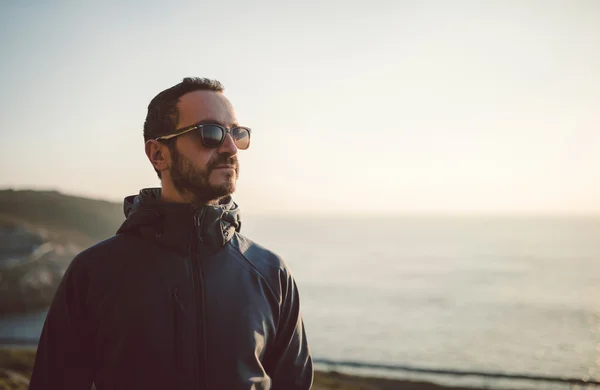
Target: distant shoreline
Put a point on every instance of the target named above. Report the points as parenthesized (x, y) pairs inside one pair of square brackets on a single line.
[(14, 358), (30, 344), (325, 378)]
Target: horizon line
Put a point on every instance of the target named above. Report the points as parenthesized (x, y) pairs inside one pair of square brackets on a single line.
[(593, 214)]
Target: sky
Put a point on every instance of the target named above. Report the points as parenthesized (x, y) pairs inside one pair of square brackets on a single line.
[(357, 107)]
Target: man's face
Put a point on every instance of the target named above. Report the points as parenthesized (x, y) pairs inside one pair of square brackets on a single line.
[(204, 174)]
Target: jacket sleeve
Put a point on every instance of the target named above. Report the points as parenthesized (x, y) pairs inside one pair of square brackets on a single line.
[(290, 362), (64, 354)]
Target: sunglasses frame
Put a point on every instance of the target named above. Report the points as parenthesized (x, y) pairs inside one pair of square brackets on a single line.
[(199, 126)]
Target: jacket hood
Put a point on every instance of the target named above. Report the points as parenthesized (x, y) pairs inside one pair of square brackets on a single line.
[(171, 224)]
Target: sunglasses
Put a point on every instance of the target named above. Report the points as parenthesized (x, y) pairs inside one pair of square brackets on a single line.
[(213, 135)]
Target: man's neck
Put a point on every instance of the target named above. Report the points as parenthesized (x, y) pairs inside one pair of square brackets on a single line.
[(173, 196)]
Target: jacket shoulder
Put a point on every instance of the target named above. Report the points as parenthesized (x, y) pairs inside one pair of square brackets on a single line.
[(103, 250), (269, 264), (106, 258), (259, 256)]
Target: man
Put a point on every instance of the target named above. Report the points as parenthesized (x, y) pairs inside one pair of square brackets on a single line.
[(178, 299)]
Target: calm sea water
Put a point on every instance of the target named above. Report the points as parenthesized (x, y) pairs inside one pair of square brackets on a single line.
[(512, 295)]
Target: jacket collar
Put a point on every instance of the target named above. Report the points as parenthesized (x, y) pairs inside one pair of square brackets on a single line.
[(172, 224)]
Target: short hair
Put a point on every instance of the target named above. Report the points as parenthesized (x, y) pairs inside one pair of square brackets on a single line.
[(163, 115)]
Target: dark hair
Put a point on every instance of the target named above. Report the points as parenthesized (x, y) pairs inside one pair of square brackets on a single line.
[(163, 116)]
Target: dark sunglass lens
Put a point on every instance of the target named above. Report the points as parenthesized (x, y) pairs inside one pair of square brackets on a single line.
[(212, 135), (241, 137)]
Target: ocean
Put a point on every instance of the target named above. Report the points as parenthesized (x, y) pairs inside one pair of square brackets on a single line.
[(517, 296)]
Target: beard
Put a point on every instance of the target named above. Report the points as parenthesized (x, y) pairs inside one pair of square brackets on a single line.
[(195, 182)]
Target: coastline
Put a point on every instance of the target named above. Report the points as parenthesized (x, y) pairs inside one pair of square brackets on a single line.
[(16, 364), (329, 380)]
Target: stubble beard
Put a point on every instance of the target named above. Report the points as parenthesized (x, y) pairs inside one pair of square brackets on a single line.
[(195, 182)]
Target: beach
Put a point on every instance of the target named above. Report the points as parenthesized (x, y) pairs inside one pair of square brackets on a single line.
[(333, 380), (16, 365)]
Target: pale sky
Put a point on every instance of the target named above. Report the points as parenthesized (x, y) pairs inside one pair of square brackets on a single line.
[(356, 107)]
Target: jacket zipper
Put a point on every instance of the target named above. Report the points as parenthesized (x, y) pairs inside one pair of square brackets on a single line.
[(200, 366), (177, 312)]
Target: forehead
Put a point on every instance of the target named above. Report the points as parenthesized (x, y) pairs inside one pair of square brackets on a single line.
[(199, 106)]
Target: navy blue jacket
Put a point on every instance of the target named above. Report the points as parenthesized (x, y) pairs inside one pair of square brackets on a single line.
[(177, 299)]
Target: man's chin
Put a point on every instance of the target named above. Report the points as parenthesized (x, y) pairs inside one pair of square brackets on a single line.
[(222, 177), (223, 187)]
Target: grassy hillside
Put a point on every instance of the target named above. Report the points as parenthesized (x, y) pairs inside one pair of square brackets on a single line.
[(83, 220)]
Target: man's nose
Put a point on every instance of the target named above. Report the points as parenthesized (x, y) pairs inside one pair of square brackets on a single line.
[(228, 146)]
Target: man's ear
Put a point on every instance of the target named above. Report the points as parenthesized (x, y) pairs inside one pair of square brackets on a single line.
[(158, 154)]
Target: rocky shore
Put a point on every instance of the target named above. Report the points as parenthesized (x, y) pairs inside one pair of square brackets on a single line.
[(31, 267)]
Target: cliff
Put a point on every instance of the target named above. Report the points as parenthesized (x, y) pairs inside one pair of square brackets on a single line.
[(40, 233)]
